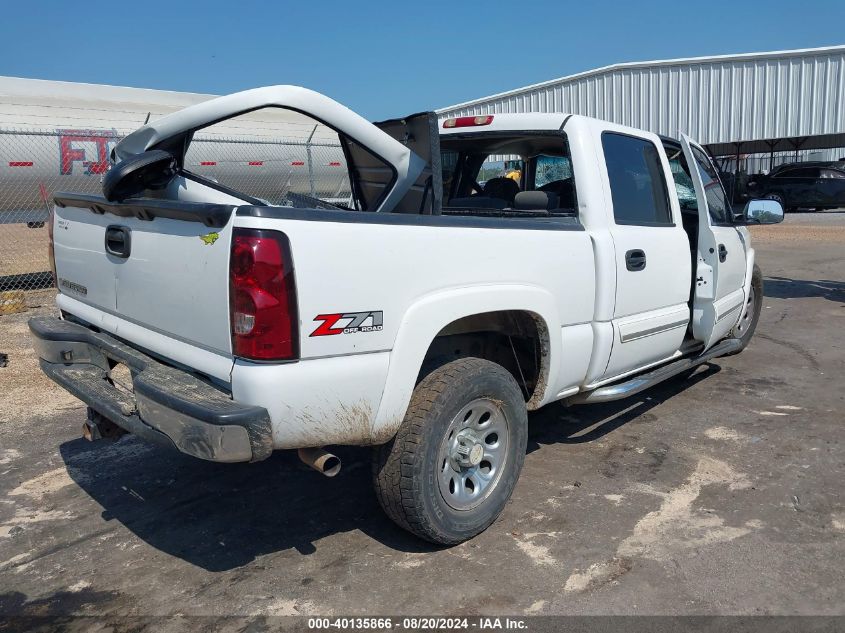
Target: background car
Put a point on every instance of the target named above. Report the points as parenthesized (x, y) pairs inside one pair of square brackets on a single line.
[(795, 185)]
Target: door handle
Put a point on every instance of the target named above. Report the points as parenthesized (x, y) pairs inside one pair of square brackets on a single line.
[(118, 241), (723, 253), (635, 260)]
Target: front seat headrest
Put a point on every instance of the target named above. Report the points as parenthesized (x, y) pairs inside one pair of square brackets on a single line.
[(502, 188), (535, 201)]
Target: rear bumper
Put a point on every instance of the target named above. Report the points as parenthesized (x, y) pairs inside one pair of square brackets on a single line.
[(166, 405)]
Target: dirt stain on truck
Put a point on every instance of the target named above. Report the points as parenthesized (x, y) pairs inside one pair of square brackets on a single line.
[(340, 423), (543, 375)]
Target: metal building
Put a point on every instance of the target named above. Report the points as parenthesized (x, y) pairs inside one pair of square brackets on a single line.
[(784, 103)]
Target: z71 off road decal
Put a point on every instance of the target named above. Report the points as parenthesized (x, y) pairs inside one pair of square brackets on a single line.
[(349, 323)]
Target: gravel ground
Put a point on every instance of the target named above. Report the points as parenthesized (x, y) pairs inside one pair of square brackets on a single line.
[(22, 249), (718, 495), (824, 227)]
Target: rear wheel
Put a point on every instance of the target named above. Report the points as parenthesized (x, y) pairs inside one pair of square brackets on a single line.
[(453, 465), (744, 328)]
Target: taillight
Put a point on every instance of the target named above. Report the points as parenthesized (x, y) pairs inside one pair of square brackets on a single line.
[(468, 121), (51, 249), (262, 296)]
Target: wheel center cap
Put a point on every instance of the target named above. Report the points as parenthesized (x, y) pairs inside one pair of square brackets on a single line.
[(468, 451), (475, 454)]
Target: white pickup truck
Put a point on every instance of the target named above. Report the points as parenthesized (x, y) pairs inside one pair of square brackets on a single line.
[(425, 315)]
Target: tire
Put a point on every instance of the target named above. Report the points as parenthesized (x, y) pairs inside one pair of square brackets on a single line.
[(429, 478), (744, 329)]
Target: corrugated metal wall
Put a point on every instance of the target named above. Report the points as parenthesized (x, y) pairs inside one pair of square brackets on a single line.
[(720, 99)]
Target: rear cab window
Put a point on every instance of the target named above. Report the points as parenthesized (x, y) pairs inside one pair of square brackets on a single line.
[(508, 174)]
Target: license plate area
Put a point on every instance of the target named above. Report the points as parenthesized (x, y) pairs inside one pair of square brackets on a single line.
[(120, 376)]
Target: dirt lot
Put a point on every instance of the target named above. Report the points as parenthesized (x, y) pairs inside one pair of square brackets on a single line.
[(23, 249), (720, 495)]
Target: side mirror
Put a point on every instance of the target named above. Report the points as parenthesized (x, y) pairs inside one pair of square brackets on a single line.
[(153, 169), (761, 212)]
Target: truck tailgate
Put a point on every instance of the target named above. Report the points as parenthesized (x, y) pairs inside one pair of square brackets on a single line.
[(161, 265)]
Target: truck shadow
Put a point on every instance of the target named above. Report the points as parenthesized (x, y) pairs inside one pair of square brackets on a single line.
[(785, 288), (222, 516), (578, 424)]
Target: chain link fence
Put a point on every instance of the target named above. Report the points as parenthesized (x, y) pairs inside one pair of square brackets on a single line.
[(37, 164), (278, 172)]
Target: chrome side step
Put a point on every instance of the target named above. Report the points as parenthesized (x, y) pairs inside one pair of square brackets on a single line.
[(640, 382)]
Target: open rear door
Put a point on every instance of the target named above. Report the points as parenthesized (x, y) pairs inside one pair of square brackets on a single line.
[(721, 269)]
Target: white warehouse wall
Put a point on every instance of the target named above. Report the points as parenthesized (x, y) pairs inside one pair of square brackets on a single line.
[(713, 99)]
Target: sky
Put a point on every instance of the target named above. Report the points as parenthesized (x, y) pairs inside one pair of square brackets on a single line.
[(385, 59)]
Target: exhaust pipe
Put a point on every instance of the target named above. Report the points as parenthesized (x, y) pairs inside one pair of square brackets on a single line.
[(90, 431), (96, 428), (321, 461)]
